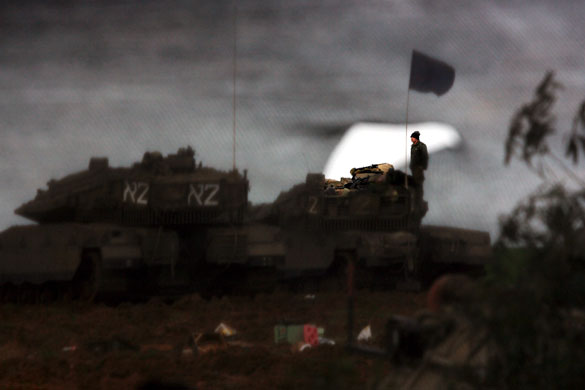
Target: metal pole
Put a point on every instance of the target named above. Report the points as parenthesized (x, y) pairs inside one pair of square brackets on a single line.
[(406, 129), (350, 285), (235, 71), (406, 141)]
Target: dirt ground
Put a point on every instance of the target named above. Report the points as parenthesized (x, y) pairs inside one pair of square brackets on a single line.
[(147, 346)]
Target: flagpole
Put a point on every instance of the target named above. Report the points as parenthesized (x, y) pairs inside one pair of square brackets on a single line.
[(406, 131), (406, 142)]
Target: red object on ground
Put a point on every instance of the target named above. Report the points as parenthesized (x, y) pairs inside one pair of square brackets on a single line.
[(449, 289), (311, 334), (435, 294)]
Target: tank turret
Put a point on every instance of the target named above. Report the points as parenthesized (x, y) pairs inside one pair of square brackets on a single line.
[(171, 190), (375, 198)]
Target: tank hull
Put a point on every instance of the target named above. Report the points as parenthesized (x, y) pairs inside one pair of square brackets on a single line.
[(114, 259)]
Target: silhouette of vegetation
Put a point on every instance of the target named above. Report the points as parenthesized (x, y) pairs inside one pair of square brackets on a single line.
[(533, 123), (535, 293), (577, 140)]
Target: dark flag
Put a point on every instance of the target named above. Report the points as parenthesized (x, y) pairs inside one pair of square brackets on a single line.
[(428, 74)]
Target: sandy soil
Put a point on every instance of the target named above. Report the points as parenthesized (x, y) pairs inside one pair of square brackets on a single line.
[(133, 346)]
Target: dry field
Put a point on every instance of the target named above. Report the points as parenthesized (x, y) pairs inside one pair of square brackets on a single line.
[(146, 346)]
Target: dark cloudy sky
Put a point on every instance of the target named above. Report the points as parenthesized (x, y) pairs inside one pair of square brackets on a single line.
[(116, 78)]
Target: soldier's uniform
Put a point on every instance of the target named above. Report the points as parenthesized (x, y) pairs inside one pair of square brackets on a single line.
[(419, 161)]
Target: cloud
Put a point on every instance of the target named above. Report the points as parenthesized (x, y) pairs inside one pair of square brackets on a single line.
[(365, 144)]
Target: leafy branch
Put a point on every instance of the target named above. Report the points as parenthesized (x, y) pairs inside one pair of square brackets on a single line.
[(534, 123)]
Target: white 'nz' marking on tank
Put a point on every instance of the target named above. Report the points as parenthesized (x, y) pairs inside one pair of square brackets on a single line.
[(136, 192), (197, 191)]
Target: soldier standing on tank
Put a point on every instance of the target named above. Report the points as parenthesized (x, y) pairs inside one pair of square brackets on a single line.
[(419, 160)]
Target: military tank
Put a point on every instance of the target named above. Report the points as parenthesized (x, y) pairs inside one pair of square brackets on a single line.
[(111, 231), (373, 219)]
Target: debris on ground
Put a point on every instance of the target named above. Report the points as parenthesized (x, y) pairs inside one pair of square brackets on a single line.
[(324, 341), (207, 342), (311, 335), (365, 334), (294, 333), (300, 346), (188, 351), (225, 330)]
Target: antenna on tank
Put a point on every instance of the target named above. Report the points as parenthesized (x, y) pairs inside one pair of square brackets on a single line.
[(235, 72)]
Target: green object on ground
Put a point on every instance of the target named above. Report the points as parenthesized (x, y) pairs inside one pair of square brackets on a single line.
[(292, 333), (279, 334), (295, 333)]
